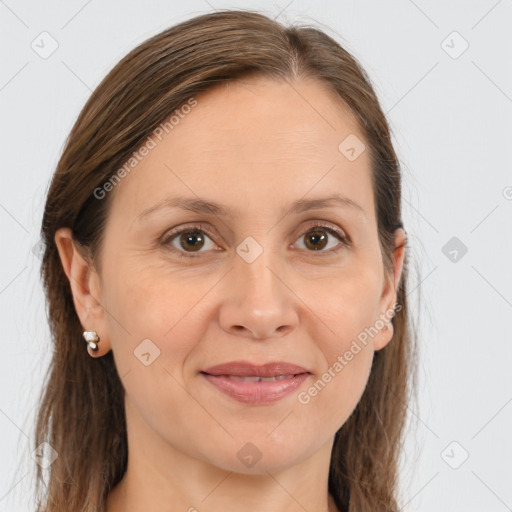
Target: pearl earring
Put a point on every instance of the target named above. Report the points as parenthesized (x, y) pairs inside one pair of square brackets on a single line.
[(92, 339)]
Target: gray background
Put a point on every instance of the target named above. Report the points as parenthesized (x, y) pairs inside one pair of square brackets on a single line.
[(450, 110)]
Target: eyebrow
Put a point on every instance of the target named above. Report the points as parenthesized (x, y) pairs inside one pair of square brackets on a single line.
[(202, 206)]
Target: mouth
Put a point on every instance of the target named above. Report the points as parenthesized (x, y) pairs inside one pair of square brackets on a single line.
[(255, 378), (246, 369), (256, 384)]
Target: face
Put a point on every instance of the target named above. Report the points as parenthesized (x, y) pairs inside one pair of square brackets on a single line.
[(263, 281)]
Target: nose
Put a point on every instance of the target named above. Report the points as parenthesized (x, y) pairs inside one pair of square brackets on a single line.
[(258, 303)]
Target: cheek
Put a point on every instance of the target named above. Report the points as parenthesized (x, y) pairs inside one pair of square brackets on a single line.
[(149, 314), (151, 338), (349, 305), (151, 299), (349, 309), (337, 390)]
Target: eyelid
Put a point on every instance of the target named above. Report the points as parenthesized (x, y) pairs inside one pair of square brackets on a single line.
[(329, 226), (172, 233)]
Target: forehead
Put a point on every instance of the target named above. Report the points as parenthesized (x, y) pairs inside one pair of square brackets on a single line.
[(253, 140), (266, 117)]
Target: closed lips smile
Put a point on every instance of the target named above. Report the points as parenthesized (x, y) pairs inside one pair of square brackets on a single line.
[(256, 384)]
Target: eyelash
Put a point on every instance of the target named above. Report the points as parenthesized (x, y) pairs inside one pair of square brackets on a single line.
[(170, 236)]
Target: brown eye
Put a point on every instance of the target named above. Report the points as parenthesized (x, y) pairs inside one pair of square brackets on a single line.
[(319, 237), (193, 240), (188, 242), (316, 240)]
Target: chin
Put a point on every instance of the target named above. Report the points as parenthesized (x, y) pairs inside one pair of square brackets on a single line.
[(263, 455)]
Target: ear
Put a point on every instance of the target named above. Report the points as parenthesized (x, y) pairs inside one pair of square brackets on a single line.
[(390, 292), (85, 288)]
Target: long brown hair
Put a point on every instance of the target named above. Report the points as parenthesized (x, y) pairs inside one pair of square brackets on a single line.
[(81, 410)]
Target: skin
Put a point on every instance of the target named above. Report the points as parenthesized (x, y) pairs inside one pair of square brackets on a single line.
[(255, 146)]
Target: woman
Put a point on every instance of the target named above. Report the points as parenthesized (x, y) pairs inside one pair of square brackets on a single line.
[(226, 270)]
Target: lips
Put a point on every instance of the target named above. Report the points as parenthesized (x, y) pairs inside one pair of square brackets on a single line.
[(256, 384)]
